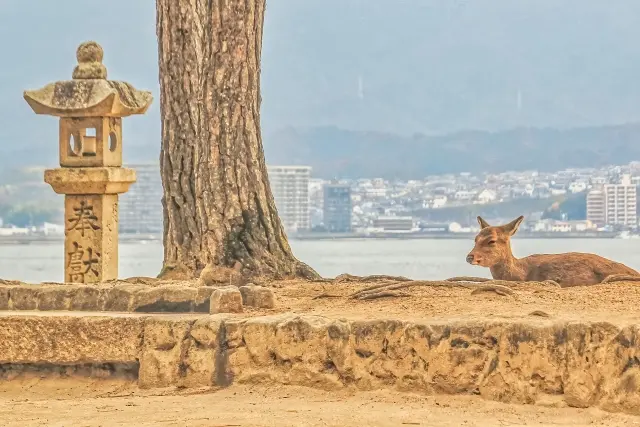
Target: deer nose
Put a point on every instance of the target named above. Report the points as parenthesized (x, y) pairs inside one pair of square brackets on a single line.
[(470, 258)]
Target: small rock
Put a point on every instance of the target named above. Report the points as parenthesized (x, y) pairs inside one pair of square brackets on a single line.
[(257, 296), (226, 300)]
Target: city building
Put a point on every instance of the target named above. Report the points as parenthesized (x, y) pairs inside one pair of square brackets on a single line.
[(596, 206), (613, 204), (290, 188), (337, 208), (141, 207), (621, 203)]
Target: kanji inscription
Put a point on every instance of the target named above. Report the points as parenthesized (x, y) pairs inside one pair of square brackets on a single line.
[(83, 261), (83, 218)]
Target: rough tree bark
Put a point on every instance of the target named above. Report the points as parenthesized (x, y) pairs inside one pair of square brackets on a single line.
[(218, 206)]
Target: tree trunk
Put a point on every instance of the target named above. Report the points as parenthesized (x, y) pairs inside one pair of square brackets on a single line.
[(218, 206)]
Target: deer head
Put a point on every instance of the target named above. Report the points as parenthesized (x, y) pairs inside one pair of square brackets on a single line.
[(493, 243)]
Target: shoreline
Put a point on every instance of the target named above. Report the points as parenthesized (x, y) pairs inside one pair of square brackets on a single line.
[(148, 238), (442, 236)]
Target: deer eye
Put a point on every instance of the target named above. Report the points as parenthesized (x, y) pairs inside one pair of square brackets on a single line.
[(491, 242)]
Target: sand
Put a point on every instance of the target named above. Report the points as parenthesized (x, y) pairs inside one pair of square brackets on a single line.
[(613, 302), (91, 402)]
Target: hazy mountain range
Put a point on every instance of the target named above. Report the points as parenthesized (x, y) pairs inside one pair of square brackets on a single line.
[(395, 75)]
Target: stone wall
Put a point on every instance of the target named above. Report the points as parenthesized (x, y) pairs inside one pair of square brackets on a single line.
[(532, 361)]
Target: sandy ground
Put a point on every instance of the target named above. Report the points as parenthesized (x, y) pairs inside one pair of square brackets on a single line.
[(85, 402), (612, 302)]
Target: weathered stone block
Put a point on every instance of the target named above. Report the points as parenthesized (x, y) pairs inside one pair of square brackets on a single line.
[(67, 340), (163, 350), (203, 299), (4, 297), (588, 347), (257, 296), (120, 297), (88, 298), (166, 298), (24, 297), (201, 354), (55, 297), (226, 300)]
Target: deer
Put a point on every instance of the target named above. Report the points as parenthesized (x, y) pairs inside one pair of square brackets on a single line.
[(493, 250)]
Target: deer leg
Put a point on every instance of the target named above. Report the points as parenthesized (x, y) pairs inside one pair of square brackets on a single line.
[(612, 278)]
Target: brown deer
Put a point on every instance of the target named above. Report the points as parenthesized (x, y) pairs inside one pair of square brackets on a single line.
[(493, 249)]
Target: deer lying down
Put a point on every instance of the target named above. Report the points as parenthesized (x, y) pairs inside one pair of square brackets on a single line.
[(493, 249)]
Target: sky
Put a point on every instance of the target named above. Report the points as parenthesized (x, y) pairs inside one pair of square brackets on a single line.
[(401, 66)]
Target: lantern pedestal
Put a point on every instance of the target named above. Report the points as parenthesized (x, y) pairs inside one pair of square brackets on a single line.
[(91, 219)]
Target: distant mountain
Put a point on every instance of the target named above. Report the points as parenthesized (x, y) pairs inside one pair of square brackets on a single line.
[(336, 153), (384, 66)]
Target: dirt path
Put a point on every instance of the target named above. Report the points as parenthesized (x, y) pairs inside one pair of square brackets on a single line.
[(88, 402)]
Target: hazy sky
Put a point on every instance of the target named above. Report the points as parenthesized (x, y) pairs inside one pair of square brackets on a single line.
[(391, 65)]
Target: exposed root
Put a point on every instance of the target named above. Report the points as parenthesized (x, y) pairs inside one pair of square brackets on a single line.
[(539, 313), (373, 278), (304, 271), (498, 289), (385, 287), (552, 283), (468, 279), (383, 295), (321, 280), (326, 295)]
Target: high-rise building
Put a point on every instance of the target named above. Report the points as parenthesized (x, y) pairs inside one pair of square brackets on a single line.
[(596, 207), (337, 208), (141, 207), (290, 188), (613, 204)]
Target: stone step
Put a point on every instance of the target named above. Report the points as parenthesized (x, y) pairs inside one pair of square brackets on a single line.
[(581, 364)]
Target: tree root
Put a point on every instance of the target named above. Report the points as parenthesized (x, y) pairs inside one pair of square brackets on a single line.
[(384, 287), (388, 294), (370, 292), (304, 271), (468, 279), (326, 295), (498, 289), (539, 313), (372, 278)]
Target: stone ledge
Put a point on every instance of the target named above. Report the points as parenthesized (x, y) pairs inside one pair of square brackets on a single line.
[(124, 297), (566, 363)]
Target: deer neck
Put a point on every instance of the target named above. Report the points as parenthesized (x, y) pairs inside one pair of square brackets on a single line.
[(510, 268)]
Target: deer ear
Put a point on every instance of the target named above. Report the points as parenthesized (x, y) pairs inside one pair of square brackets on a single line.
[(512, 227), (483, 223)]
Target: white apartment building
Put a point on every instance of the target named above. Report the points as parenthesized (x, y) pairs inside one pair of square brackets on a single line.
[(613, 204), (141, 207), (596, 207), (290, 187)]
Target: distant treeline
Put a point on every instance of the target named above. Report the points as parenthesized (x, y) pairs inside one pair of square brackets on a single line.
[(337, 153)]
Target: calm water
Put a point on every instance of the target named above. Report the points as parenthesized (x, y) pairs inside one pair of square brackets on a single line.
[(419, 259)]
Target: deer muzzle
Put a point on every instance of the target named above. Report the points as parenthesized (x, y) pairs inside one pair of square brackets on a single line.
[(473, 260)]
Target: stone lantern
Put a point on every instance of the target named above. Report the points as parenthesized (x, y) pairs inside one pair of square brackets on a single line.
[(91, 175)]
